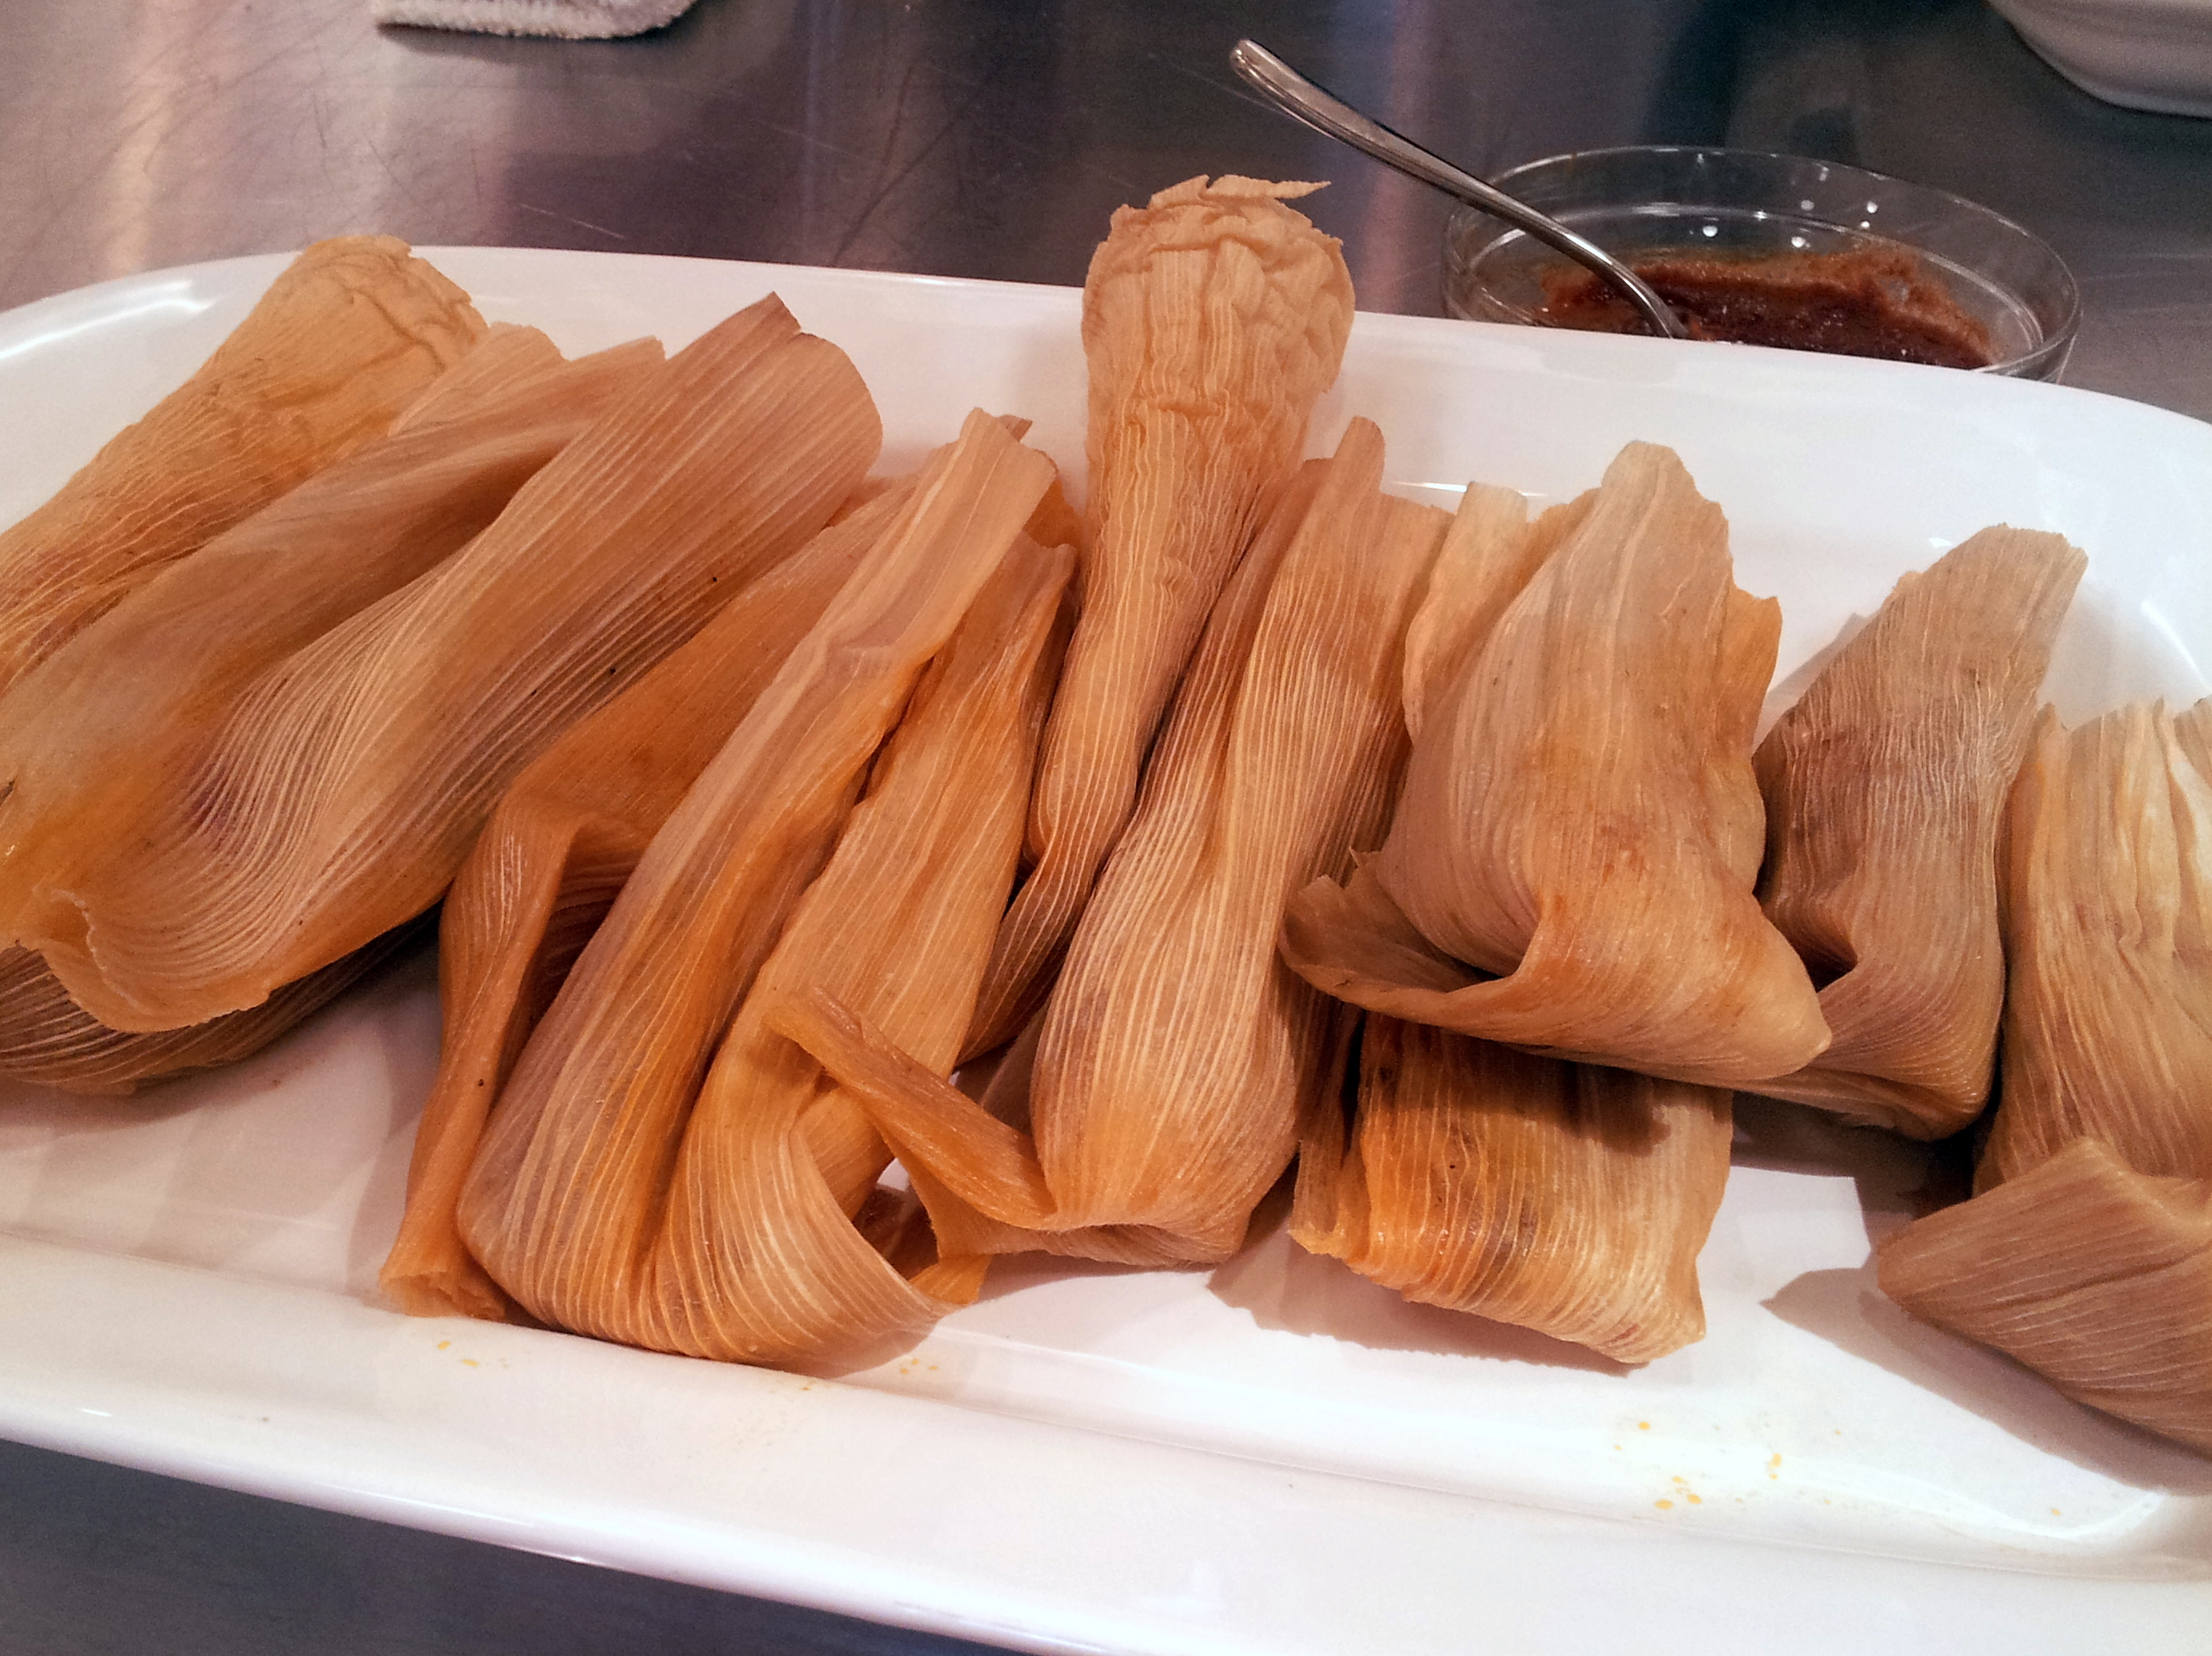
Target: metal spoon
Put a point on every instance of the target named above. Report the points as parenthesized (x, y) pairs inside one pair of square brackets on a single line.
[(1300, 97)]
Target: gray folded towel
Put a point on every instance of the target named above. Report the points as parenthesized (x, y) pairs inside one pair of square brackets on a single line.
[(569, 20)]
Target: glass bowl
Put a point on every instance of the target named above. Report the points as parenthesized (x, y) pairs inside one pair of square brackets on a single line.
[(1651, 202)]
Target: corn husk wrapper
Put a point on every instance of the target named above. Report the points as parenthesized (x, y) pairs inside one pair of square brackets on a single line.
[(81, 737), (86, 729), (622, 1188), (339, 790), (548, 864), (1885, 788), (1213, 320), (2087, 1251), (2108, 926), (47, 1038), (505, 357), (1177, 1057), (1562, 1197), (2095, 1274), (779, 1157), (348, 336), (1579, 816)]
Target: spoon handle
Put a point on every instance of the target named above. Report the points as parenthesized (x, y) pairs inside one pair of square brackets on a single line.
[(1297, 97)]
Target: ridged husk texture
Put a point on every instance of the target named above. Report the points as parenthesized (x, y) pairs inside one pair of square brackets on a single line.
[(1571, 864), (84, 736), (2108, 1014), (647, 1173), (2087, 1251), (1213, 318), (548, 866), (335, 793), (88, 728), (1178, 1057), (505, 357), (348, 336), (47, 1038), (1885, 786), (2095, 1274), (1563, 1197)]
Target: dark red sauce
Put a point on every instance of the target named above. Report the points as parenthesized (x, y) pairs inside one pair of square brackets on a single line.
[(1878, 302)]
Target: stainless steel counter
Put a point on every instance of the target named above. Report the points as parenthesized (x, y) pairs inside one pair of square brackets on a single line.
[(955, 138)]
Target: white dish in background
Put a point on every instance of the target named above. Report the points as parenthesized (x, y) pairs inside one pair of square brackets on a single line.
[(1274, 1456), (2140, 54)]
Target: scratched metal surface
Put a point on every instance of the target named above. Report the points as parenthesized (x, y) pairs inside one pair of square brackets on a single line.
[(980, 137), (961, 137)]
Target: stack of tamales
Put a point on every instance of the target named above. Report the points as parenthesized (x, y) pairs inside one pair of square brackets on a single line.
[(261, 746), (1258, 817), (2087, 1251)]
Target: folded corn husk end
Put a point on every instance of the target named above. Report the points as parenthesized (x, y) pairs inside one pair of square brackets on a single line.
[(1570, 868), (2086, 1253), (2107, 887), (1886, 785), (1568, 1199), (345, 784), (1177, 1052), (348, 334), (774, 1148), (47, 1038), (2096, 1276), (106, 729), (977, 1176)]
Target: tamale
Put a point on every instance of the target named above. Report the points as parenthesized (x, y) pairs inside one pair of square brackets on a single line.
[(1562, 1197), (777, 1157), (1580, 817), (572, 1205), (2095, 1274), (86, 726), (79, 735), (547, 865), (557, 850), (344, 338), (1884, 788), (2108, 929), (47, 1038), (1213, 318), (2087, 1251), (335, 793), (1178, 1055)]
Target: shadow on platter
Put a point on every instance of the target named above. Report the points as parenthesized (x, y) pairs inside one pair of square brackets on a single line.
[(26, 1107), (1849, 1311), (407, 993), (1895, 1175), (211, 1169), (1011, 1273)]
